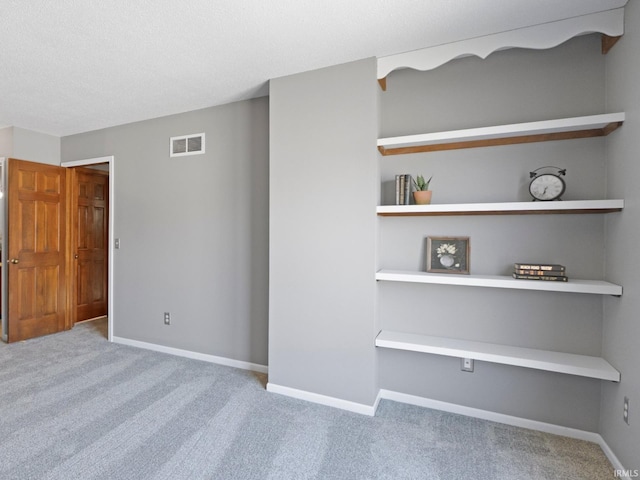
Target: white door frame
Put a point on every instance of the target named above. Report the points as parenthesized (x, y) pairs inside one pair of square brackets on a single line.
[(4, 292), (111, 161)]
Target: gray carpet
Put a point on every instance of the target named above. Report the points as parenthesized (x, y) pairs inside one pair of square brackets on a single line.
[(77, 407)]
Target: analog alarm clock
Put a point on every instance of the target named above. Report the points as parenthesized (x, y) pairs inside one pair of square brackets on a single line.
[(547, 185)]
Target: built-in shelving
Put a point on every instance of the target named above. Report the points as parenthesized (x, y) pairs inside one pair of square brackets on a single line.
[(572, 364), (594, 287), (508, 208), (611, 25), (547, 130)]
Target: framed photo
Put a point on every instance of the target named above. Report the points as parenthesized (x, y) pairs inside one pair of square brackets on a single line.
[(448, 254)]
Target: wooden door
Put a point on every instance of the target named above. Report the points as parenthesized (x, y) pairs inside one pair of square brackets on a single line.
[(36, 196), (90, 239)]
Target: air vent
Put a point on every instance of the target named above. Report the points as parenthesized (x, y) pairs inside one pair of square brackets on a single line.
[(187, 145)]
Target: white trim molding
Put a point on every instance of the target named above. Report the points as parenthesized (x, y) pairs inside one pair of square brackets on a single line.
[(506, 419), (488, 415), (383, 394), (350, 406), (228, 362), (617, 464), (370, 410), (87, 161), (543, 36), (111, 161)]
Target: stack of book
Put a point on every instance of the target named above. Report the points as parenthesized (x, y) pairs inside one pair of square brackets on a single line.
[(549, 271), (403, 189)]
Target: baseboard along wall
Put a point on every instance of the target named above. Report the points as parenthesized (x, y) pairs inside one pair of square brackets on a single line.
[(450, 408), (229, 362), (355, 407), (383, 394), (506, 419)]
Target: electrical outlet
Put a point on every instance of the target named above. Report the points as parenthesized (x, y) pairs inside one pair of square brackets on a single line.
[(625, 410), (466, 364), (117, 243), (167, 318)]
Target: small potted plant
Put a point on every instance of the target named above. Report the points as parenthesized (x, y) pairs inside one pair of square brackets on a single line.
[(422, 194)]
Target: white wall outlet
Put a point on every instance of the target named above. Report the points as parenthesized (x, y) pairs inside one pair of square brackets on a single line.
[(625, 410), (466, 364), (167, 318)]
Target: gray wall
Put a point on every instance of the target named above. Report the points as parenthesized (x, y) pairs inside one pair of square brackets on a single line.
[(509, 87), (621, 327), (6, 142), (193, 230), (36, 146), (324, 189), (29, 145)]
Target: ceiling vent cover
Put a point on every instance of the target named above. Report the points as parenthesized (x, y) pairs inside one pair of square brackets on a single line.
[(187, 145)]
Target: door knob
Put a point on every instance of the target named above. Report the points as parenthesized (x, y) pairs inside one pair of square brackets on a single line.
[(14, 261)]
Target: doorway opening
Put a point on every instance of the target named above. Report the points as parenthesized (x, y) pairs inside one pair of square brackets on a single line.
[(3, 249), (107, 164)]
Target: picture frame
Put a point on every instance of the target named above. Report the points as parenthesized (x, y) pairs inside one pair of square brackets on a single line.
[(448, 255)]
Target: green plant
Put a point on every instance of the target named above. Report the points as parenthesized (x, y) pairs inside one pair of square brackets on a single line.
[(420, 184)]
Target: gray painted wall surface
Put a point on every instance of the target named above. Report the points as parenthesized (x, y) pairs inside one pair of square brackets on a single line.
[(6, 142), (509, 87), (324, 188), (36, 146), (29, 145), (621, 343), (193, 230)]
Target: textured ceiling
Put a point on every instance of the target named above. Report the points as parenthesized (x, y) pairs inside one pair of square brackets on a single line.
[(70, 66)]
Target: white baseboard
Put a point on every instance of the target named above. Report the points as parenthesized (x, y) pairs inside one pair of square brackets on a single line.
[(451, 408), (193, 355), (617, 464), (361, 408), (488, 415), (506, 419), (383, 394)]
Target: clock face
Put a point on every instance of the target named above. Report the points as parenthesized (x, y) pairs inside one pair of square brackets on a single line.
[(547, 187)]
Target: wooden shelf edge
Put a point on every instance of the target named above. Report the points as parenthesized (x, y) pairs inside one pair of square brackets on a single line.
[(504, 208), (559, 362), (528, 132), (592, 287), (493, 142)]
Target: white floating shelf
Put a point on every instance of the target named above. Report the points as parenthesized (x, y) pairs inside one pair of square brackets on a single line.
[(508, 208), (572, 364), (546, 130), (594, 287)]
